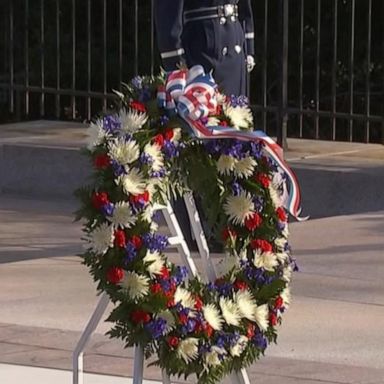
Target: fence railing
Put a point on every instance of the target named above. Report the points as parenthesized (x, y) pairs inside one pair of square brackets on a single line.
[(319, 70)]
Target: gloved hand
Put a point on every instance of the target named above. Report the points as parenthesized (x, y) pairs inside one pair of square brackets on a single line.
[(250, 63)]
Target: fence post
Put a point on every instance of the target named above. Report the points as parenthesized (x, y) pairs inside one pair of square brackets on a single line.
[(282, 113)]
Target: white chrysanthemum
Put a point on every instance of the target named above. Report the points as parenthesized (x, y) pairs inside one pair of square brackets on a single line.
[(102, 238), (133, 182), (262, 317), (246, 304), (282, 257), (147, 214), (212, 358), (266, 260), (184, 297), (122, 215), (188, 349), (212, 316), (275, 195), (124, 152), (230, 311), (176, 135), (285, 232), (226, 164), (154, 226), (280, 243), (244, 168), (169, 318), (213, 121), (287, 274), (241, 117), (239, 208), (132, 120), (154, 151), (155, 263), (136, 286), (95, 134), (286, 296), (239, 347)]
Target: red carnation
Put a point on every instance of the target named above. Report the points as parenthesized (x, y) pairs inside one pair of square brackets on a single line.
[(208, 330), (102, 161), (227, 233), (183, 318), (173, 341), (156, 288), (168, 135), (120, 239), (136, 241), (198, 303), (223, 123), (159, 140), (253, 222), (250, 330), (164, 273), (100, 199), (280, 212), (240, 285), (115, 275), (171, 302), (140, 316), (279, 302), (273, 319), (145, 196), (138, 106), (263, 179), (264, 245)]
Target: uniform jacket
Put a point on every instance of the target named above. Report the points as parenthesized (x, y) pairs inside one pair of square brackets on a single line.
[(186, 34)]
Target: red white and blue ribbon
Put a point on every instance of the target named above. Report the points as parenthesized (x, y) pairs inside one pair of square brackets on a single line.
[(193, 94)]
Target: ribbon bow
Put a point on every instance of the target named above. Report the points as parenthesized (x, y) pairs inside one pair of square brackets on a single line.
[(192, 94)]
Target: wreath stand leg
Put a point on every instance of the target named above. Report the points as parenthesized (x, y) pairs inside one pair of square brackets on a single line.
[(176, 240)]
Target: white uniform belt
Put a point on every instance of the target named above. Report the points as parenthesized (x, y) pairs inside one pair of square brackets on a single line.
[(229, 11)]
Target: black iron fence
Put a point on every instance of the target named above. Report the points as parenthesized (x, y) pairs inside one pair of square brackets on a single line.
[(319, 73)]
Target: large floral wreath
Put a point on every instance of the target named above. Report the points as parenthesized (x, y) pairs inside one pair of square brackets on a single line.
[(143, 154)]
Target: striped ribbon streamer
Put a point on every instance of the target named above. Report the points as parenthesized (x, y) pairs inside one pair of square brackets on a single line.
[(194, 95)]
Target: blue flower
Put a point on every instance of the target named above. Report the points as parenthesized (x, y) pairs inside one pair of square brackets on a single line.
[(146, 158), (155, 242), (137, 82), (160, 173), (111, 123), (191, 324), (255, 149), (118, 169), (236, 188), (130, 252), (170, 150), (260, 341), (108, 209), (238, 101), (157, 327)]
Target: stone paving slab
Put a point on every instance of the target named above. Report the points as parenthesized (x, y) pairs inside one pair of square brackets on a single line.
[(330, 335)]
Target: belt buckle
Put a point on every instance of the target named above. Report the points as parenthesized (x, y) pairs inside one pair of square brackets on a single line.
[(229, 10)]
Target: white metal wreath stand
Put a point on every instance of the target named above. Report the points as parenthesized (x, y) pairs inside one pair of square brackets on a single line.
[(176, 240)]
